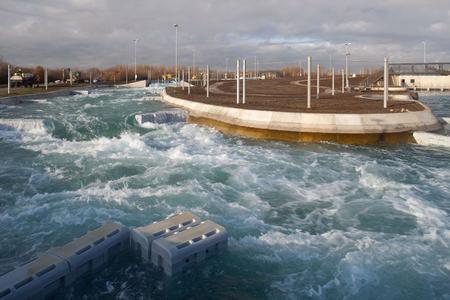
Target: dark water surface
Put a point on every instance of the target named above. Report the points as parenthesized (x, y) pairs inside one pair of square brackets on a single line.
[(311, 221)]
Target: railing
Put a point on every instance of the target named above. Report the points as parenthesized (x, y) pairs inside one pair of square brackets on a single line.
[(420, 68)]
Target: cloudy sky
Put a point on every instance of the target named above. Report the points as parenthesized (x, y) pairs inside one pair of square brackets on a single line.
[(99, 33)]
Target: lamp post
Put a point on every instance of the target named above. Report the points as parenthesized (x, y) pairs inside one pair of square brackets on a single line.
[(226, 68), (176, 51), (193, 62), (347, 54), (46, 78), (424, 52), (9, 79), (330, 62), (135, 65)]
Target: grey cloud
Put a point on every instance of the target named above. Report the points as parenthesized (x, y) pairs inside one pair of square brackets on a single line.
[(99, 33)]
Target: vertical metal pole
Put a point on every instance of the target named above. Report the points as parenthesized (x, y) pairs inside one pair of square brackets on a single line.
[(343, 81), (299, 68), (189, 80), (90, 78), (9, 79), (193, 63), (70, 75), (126, 75), (207, 81), (330, 63), (135, 60), (176, 52), (182, 80), (226, 69), (424, 52), (46, 78), (243, 81), (346, 70), (318, 81), (332, 81), (386, 82), (237, 81), (256, 70), (309, 82)]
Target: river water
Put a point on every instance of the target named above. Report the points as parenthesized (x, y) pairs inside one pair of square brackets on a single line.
[(309, 221)]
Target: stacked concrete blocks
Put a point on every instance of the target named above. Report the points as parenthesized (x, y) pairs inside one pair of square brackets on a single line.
[(178, 241), (142, 237), (182, 249)]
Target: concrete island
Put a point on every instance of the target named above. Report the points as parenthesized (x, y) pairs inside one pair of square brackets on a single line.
[(277, 110)]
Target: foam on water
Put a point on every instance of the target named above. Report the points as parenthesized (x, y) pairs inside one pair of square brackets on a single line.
[(432, 139), (318, 221), (161, 117)]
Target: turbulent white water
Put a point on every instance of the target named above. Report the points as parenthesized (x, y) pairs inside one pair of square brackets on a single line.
[(161, 117), (25, 125), (317, 221)]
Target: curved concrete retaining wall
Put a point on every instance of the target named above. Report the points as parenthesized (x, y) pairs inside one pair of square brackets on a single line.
[(312, 122)]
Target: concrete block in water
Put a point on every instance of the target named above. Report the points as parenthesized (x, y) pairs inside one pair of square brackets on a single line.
[(142, 237), (432, 139), (80, 92), (92, 251), (37, 279), (186, 247), (162, 117)]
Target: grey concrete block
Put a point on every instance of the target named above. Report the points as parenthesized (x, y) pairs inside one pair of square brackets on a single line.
[(92, 251), (142, 237), (36, 279), (189, 246)]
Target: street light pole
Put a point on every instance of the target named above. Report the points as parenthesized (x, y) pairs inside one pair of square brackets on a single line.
[(347, 54), (135, 65), (226, 68), (193, 62), (176, 51), (9, 79), (46, 78), (424, 52), (330, 62)]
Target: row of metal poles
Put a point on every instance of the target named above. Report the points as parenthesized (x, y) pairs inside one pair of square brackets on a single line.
[(244, 72)]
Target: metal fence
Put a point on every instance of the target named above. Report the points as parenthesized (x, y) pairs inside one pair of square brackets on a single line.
[(420, 68)]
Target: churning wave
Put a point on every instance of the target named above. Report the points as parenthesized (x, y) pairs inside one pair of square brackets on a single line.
[(162, 117), (33, 126)]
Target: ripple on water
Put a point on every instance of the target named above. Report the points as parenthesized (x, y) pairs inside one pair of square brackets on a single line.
[(306, 220)]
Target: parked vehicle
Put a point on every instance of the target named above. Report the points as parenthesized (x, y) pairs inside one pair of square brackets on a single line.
[(23, 79)]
